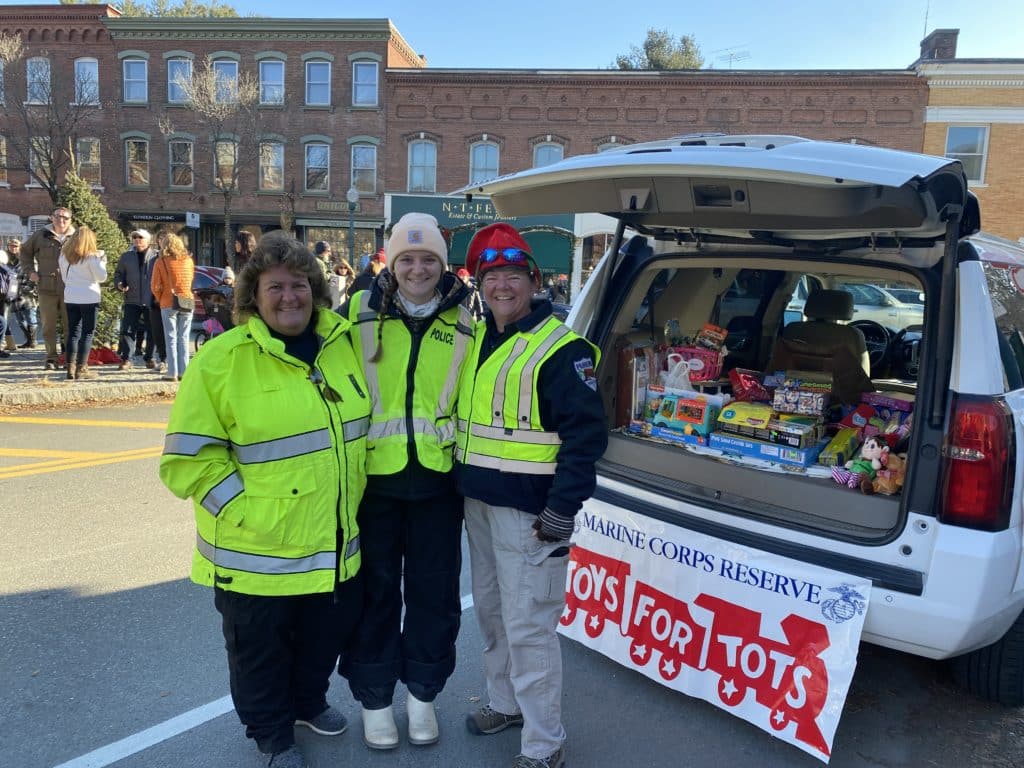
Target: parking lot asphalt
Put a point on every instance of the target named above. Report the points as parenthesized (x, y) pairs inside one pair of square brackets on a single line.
[(24, 383)]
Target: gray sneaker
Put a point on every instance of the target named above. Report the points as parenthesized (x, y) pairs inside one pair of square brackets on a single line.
[(288, 758), (557, 760), (330, 722), (486, 721)]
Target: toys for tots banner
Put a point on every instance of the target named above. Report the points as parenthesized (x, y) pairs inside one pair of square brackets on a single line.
[(769, 639)]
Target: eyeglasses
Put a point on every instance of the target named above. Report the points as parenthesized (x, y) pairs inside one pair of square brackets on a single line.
[(513, 255), (66, 218), (138, 237)]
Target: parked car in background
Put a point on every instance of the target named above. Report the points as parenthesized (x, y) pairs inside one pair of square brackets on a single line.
[(870, 302), (907, 295)]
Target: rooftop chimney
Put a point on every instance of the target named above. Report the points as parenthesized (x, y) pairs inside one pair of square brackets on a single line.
[(939, 45)]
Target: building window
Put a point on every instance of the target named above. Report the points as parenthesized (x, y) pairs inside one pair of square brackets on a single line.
[(37, 73), (225, 155), (179, 79), (318, 83), (271, 177), (3, 160), (364, 84), (136, 160), (271, 82), (969, 145), (364, 168), (181, 167), (422, 166), (136, 84), (89, 161), (483, 162), (39, 159), (225, 73), (87, 81), (546, 154), (318, 161)]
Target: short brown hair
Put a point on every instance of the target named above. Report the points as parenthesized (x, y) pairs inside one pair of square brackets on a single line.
[(273, 249)]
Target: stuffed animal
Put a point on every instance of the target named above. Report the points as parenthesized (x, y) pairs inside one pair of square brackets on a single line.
[(861, 471), (890, 480)]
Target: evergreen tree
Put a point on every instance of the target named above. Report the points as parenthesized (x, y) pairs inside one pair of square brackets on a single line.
[(86, 208)]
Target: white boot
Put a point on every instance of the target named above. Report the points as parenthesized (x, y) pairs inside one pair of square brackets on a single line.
[(379, 729), (422, 722)]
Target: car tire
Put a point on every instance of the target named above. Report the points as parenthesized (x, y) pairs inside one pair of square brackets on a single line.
[(996, 672)]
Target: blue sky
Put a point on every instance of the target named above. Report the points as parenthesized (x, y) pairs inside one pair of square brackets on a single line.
[(578, 34), (785, 34)]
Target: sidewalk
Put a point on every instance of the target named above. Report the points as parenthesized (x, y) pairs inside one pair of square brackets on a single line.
[(23, 383)]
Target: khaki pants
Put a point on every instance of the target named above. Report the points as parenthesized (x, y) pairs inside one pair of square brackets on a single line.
[(51, 308), (518, 597)]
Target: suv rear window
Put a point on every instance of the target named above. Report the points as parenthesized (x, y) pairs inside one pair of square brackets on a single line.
[(1006, 291)]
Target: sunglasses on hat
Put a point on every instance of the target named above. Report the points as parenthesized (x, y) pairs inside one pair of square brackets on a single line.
[(513, 255)]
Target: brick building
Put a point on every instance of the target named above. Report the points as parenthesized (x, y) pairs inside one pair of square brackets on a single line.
[(320, 120), (976, 113)]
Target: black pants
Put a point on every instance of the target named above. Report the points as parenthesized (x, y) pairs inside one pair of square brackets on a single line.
[(156, 340), (81, 328), (134, 329), (427, 535), (281, 653)]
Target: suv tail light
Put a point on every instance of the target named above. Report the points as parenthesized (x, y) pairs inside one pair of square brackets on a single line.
[(979, 464)]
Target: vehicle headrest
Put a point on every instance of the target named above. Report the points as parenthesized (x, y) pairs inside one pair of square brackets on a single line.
[(829, 305)]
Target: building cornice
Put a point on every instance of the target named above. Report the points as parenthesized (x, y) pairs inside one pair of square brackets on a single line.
[(405, 50), (248, 29), (1012, 115), (694, 78), (965, 82), (968, 70)]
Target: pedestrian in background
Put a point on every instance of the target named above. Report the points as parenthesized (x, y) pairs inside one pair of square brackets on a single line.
[(8, 295), (130, 280), (531, 428), (267, 436), (172, 286), (245, 244), (472, 301), (365, 279), (156, 344), (24, 308), (341, 275), (41, 252), (413, 337), (82, 268)]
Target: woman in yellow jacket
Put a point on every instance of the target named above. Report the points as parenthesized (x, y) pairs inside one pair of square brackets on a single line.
[(412, 336), (268, 438)]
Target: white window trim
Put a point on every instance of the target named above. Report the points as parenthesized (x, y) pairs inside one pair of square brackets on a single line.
[(408, 167), (305, 167), (96, 64), (259, 69), (305, 95), (497, 170), (224, 62), (124, 80), (170, 82), (984, 150), (376, 83), (352, 166)]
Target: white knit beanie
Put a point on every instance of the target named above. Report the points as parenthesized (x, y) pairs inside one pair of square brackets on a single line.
[(416, 232)]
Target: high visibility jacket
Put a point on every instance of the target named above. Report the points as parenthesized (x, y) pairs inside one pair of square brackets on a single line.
[(272, 453), (413, 386), (499, 424)]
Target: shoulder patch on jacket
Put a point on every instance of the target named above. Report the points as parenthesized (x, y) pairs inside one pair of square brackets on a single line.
[(585, 370)]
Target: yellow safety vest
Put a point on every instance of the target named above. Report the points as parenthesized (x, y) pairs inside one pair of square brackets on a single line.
[(435, 369), (273, 455), (499, 418)]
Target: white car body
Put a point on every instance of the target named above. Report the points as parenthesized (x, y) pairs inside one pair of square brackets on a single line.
[(962, 589)]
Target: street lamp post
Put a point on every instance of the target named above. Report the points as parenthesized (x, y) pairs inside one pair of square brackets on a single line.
[(353, 198)]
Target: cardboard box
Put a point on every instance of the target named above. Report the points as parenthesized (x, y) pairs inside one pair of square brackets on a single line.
[(665, 433), (794, 433), (898, 401), (635, 372), (841, 448), (746, 420), (757, 449)]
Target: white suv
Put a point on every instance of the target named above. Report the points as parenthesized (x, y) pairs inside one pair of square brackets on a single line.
[(755, 216)]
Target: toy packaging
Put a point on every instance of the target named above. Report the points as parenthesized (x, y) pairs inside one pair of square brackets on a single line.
[(899, 401), (803, 392), (635, 366), (841, 448), (683, 410), (746, 419), (795, 433), (711, 336), (757, 449), (747, 386)]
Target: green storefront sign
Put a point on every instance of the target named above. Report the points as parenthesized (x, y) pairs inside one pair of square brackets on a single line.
[(550, 237)]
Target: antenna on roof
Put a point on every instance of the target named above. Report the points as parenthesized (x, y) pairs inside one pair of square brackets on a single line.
[(927, 7), (731, 55)]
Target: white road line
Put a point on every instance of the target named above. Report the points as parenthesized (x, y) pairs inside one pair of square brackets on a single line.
[(131, 745)]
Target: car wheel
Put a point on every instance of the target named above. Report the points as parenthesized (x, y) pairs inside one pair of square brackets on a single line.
[(996, 672)]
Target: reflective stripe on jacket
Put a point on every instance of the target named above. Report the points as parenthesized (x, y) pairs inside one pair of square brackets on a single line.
[(499, 423), (273, 455), (413, 386)]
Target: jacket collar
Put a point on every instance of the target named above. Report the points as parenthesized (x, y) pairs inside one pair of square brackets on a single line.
[(452, 290)]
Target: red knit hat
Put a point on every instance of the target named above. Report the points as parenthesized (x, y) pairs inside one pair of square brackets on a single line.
[(496, 239), (380, 256)]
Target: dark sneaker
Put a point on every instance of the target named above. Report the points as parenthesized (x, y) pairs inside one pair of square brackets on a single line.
[(485, 721), (125, 365), (557, 760), (330, 722), (288, 758), (150, 364)]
